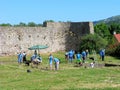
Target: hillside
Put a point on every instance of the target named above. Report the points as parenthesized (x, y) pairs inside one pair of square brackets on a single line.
[(113, 19)]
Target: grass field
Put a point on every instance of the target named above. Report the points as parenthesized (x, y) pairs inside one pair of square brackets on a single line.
[(15, 77)]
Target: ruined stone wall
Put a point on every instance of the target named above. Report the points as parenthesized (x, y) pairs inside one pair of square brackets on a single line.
[(57, 35)]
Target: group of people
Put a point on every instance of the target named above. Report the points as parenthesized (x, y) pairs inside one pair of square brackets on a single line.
[(37, 58), (51, 60), (21, 57), (81, 58), (69, 56), (55, 60)]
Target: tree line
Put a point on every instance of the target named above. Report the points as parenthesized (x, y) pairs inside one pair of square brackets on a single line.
[(21, 24), (29, 24)]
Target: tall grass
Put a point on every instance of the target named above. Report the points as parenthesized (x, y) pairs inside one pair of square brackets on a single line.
[(15, 77)]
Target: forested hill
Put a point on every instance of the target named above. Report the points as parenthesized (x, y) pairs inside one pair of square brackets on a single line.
[(113, 19)]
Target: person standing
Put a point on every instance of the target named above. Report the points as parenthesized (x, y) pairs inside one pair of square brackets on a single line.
[(70, 54), (78, 56), (84, 56), (50, 61), (87, 53), (24, 57), (103, 54), (35, 54), (66, 56), (20, 58), (100, 53)]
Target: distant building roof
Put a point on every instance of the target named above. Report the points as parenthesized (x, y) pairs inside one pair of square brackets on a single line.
[(117, 36)]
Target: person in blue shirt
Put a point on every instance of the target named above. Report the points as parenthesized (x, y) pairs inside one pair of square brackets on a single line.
[(56, 60), (100, 53), (70, 54), (78, 56), (33, 57), (103, 54), (50, 61), (84, 56), (20, 58)]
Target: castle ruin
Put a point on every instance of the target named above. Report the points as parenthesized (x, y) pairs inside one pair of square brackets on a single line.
[(57, 35)]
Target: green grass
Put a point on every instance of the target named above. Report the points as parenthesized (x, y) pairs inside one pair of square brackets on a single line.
[(15, 77)]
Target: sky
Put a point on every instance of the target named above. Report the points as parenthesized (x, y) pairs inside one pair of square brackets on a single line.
[(38, 11)]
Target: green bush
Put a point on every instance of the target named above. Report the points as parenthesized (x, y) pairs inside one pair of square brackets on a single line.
[(113, 50)]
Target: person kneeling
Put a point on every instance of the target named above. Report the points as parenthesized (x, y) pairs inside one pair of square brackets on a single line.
[(92, 64)]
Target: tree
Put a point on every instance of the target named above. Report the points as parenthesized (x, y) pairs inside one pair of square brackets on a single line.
[(92, 42), (102, 30), (114, 27), (20, 24), (31, 24), (5, 24), (40, 25), (49, 21)]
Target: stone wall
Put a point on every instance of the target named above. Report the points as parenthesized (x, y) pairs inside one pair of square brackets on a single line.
[(57, 35)]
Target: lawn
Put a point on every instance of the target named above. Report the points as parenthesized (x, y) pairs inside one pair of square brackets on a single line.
[(15, 77)]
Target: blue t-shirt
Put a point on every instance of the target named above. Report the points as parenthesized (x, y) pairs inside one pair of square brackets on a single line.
[(102, 53), (78, 56), (56, 60), (84, 54), (20, 57), (50, 59), (70, 54), (33, 57)]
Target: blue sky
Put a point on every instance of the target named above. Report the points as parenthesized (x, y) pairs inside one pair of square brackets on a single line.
[(16, 11)]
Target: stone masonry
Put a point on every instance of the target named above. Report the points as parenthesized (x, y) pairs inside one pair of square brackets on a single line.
[(59, 36)]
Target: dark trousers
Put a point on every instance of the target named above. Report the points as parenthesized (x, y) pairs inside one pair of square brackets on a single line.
[(103, 58)]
